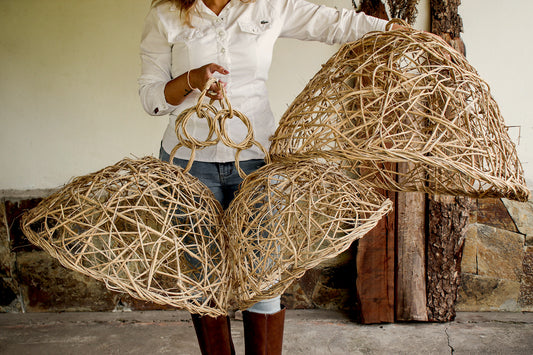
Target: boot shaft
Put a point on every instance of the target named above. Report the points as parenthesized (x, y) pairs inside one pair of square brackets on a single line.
[(214, 335), (263, 333)]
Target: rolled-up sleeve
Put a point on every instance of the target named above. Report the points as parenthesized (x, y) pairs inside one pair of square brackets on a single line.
[(310, 22), (155, 66)]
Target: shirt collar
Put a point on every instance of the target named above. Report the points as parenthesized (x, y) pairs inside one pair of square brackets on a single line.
[(202, 8)]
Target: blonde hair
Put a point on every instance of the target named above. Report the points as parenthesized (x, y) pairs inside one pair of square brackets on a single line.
[(185, 7)]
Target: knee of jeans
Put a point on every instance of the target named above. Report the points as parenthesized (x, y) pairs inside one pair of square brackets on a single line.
[(269, 306), (163, 155)]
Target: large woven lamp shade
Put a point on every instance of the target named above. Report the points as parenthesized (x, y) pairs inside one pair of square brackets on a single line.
[(288, 218), (143, 227), (404, 97)]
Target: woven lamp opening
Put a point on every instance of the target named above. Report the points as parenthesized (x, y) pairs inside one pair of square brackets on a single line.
[(404, 97)]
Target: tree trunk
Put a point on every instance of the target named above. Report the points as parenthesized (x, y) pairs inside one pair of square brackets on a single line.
[(448, 223), (448, 216), (373, 8), (446, 22)]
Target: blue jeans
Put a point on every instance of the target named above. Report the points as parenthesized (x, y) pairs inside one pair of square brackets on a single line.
[(223, 180)]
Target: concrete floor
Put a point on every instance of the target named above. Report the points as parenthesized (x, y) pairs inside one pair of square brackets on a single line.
[(306, 332)]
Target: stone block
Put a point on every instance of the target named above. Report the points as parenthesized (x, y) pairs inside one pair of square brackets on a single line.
[(7, 292), (493, 252), (328, 286), (526, 288), (14, 211), (482, 294), (469, 260), (522, 214), (493, 212), (48, 286), (294, 297), (6, 258), (8, 286)]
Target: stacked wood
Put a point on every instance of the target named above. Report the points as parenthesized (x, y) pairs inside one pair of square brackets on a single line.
[(447, 221)]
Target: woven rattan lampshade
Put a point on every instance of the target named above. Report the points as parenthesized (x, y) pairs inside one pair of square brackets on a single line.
[(143, 227), (404, 97), (287, 218)]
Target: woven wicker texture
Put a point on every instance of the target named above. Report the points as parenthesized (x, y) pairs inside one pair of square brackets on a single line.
[(143, 227), (288, 218), (404, 96)]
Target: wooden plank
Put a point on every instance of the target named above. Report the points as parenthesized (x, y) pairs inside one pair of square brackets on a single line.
[(410, 255), (375, 272), (375, 252)]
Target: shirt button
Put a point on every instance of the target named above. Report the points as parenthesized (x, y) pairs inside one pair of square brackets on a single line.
[(221, 34), (223, 50)]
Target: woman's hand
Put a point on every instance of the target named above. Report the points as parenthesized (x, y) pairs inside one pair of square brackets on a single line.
[(396, 26), (199, 77), (177, 89)]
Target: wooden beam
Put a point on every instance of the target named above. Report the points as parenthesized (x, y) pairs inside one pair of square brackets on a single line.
[(375, 252), (375, 271), (410, 254)]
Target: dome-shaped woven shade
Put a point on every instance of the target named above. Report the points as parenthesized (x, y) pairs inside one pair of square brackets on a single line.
[(404, 96), (287, 219), (143, 227)]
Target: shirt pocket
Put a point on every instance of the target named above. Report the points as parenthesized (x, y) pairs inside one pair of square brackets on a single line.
[(256, 35), (183, 43)]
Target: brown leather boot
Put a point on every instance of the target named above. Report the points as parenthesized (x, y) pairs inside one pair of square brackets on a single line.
[(263, 333), (214, 335)]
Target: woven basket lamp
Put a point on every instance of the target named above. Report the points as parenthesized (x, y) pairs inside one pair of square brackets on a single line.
[(404, 97), (143, 227), (288, 218)]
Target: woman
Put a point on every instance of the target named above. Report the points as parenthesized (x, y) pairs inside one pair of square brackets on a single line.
[(184, 44)]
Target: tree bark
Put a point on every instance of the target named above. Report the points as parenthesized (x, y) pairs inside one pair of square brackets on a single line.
[(373, 8), (448, 216), (448, 223), (446, 22), (404, 9)]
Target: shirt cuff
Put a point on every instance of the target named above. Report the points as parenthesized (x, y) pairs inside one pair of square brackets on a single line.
[(154, 101)]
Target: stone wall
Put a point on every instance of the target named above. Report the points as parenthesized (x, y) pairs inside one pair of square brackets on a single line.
[(497, 269), (33, 281), (497, 266)]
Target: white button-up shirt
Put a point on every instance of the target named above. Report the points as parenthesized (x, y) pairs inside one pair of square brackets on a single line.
[(241, 39)]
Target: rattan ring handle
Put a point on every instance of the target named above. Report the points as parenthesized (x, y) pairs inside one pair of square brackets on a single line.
[(202, 110), (396, 21), (248, 142)]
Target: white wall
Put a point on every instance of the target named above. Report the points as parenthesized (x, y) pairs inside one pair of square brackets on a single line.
[(68, 90), (295, 63), (497, 35)]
